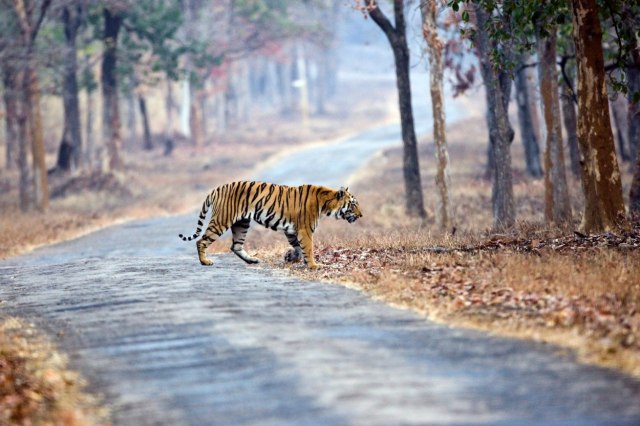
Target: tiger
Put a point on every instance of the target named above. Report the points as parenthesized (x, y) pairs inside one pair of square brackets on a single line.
[(292, 209)]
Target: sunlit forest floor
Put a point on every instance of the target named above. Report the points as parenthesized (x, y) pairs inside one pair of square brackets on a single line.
[(534, 282)]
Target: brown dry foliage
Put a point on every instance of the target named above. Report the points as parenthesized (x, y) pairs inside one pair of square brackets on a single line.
[(36, 385), (536, 281)]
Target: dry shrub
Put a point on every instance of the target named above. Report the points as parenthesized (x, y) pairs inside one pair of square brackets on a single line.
[(36, 386)]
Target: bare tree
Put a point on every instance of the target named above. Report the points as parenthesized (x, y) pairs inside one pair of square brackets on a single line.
[(22, 114), (110, 108), (70, 152), (396, 35), (556, 201), (525, 120), (604, 206), (629, 25), (30, 20), (9, 81), (618, 108), (569, 120), (435, 46), (142, 104), (500, 130), (634, 192)]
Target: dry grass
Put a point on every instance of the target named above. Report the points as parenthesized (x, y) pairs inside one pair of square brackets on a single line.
[(583, 298), (36, 386)]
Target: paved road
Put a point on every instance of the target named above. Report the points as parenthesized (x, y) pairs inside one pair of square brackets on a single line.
[(172, 343)]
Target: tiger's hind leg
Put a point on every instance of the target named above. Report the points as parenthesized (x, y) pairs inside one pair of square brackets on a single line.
[(213, 232), (239, 230), (295, 253)]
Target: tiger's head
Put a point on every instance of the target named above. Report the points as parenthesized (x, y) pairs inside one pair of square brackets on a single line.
[(345, 206)]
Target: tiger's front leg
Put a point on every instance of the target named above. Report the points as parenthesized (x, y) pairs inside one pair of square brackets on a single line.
[(306, 243), (294, 254)]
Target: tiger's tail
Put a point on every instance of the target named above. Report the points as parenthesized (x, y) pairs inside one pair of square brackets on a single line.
[(203, 214)]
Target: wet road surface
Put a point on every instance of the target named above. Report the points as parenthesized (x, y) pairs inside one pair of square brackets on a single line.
[(170, 342)]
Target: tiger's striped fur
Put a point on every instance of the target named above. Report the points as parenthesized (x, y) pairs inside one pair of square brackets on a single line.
[(294, 210)]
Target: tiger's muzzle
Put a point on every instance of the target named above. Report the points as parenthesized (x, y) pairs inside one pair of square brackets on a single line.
[(351, 217)]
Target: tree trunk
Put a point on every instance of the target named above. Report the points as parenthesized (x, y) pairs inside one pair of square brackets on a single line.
[(629, 25), (500, 130), (620, 125), (110, 107), (284, 87), (633, 115), (504, 79), (148, 143), (168, 109), (604, 206), (527, 132), (72, 19), (40, 180), (302, 86), (634, 192), (23, 144), (570, 126), (131, 127), (428, 9), (64, 155), (398, 41), (323, 74), (29, 28), (11, 88), (90, 148), (194, 123), (556, 201), (203, 103), (185, 108)]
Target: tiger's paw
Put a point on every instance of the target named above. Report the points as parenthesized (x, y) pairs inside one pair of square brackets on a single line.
[(245, 256), (206, 262), (292, 256), (314, 265)]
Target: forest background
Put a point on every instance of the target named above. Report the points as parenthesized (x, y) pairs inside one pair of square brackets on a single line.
[(525, 224)]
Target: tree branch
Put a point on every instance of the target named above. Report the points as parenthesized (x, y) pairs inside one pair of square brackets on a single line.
[(566, 79), (43, 11), (398, 12), (381, 20)]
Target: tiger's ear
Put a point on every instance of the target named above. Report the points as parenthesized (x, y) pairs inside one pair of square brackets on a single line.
[(341, 192)]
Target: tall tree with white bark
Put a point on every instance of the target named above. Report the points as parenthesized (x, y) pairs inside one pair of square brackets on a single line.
[(435, 46), (29, 22)]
